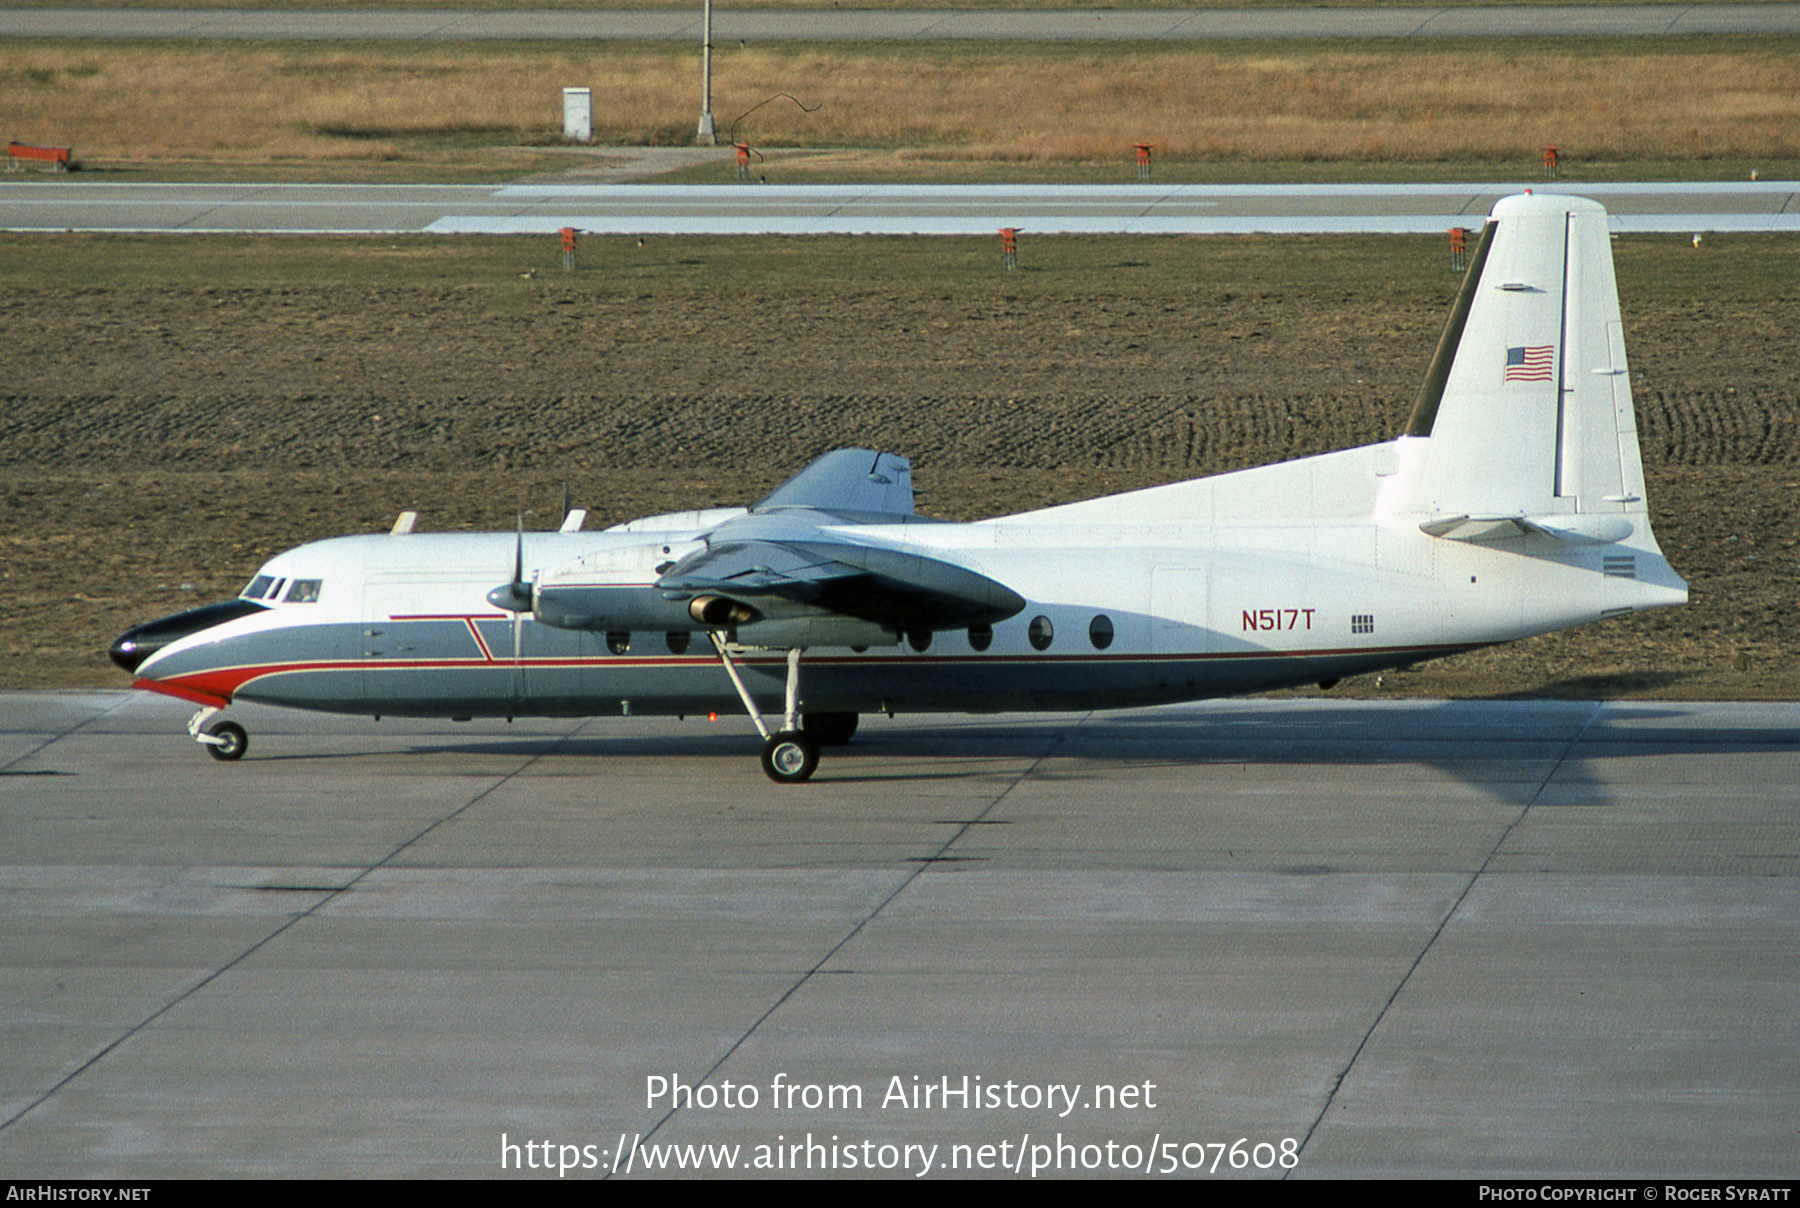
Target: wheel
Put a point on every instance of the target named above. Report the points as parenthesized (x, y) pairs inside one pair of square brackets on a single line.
[(830, 729), (790, 756), (232, 744)]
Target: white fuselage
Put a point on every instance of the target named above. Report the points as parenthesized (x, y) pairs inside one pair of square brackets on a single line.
[(1282, 575)]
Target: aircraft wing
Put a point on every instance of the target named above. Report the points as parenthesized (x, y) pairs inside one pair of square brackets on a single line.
[(797, 571), (867, 582), (796, 553), (791, 570), (853, 481)]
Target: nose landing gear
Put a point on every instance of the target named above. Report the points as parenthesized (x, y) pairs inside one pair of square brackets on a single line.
[(229, 741), (225, 741)]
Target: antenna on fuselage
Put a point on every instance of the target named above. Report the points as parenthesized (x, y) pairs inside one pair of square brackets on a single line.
[(572, 517)]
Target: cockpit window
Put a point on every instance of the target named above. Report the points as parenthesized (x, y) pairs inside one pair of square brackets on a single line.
[(258, 586), (304, 591)]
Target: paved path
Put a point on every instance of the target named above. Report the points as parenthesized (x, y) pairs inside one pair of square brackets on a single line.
[(1513, 939), (836, 25), (649, 209)]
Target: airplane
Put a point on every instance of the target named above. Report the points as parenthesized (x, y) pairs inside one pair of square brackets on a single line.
[(1511, 505)]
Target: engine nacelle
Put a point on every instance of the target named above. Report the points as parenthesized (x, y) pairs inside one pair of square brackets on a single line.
[(639, 608), (612, 590)]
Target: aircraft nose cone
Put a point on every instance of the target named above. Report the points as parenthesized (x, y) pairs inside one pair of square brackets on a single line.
[(131, 648), (128, 652)]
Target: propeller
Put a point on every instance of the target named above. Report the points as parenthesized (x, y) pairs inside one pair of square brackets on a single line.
[(515, 597)]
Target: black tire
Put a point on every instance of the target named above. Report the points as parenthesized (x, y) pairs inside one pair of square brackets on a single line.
[(790, 757), (830, 729), (232, 744)]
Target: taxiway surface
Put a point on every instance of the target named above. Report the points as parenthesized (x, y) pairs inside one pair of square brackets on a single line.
[(837, 25), (1499, 938), (651, 209)]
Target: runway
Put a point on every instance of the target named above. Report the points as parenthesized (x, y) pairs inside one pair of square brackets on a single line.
[(733, 209), (1517, 939), (836, 25)]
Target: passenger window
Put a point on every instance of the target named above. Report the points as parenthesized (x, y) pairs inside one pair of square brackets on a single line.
[(919, 639), (1100, 631), (304, 591), (1041, 633), (981, 637), (257, 587), (618, 643), (678, 642)]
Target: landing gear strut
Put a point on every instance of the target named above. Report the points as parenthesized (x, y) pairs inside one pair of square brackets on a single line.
[(224, 740), (790, 755)]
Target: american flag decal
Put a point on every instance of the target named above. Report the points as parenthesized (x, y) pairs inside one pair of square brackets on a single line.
[(1529, 364)]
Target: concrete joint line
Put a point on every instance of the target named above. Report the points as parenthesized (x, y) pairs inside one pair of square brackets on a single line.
[(1424, 25), (329, 897), (51, 741), (1343, 1074), (880, 906)]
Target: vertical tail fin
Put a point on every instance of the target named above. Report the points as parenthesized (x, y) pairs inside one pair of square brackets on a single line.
[(1525, 418)]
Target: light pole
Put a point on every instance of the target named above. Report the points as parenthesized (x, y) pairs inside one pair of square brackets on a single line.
[(704, 135)]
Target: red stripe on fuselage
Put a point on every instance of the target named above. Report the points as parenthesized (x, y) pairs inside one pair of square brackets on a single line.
[(480, 642), (216, 686), (182, 693), (468, 620)]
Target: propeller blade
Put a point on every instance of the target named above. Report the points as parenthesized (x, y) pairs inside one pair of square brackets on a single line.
[(521, 596), (514, 597), (519, 552)]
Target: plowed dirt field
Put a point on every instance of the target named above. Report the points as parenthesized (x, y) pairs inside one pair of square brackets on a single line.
[(157, 443)]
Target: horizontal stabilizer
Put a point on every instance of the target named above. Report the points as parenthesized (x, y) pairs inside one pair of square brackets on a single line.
[(1568, 529)]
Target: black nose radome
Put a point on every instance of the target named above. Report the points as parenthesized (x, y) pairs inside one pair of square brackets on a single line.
[(131, 648)]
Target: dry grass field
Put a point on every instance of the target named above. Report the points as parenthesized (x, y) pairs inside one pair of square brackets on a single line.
[(1244, 109), (168, 422)]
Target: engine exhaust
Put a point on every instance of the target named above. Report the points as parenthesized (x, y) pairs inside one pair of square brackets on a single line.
[(717, 612)]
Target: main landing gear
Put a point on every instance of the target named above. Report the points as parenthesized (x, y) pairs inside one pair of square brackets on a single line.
[(224, 740), (790, 754)]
